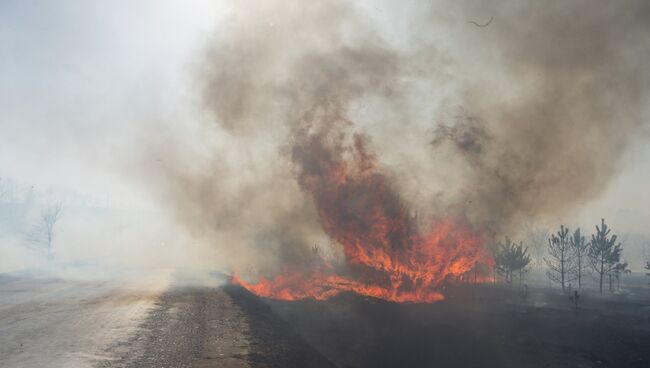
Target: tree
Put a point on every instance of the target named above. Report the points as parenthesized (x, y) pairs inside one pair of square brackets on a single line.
[(579, 248), (536, 239), (619, 269), (647, 267), (493, 247), (604, 253), (510, 258), (561, 258), (50, 217)]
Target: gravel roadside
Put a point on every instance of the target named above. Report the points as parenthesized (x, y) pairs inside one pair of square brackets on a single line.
[(213, 327)]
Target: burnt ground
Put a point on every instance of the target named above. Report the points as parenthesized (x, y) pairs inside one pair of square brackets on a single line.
[(201, 327), (478, 326)]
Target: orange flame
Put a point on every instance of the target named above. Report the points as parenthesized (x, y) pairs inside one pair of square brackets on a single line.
[(359, 209), (413, 276)]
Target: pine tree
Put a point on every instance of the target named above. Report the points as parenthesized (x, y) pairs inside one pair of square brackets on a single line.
[(579, 249), (620, 268), (560, 261), (510, 258), (604, 253)]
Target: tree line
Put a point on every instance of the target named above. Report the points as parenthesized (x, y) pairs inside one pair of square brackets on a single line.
[(570, 257)]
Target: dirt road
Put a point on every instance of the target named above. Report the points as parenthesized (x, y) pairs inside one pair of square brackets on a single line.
[(52, 323)]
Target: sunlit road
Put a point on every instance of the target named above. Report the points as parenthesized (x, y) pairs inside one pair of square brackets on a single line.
[(52, 323), (155, 322)]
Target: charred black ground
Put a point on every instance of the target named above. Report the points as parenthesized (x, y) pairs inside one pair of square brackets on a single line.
[(478, 326)]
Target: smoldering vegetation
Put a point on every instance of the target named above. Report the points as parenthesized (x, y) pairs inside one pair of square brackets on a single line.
[(524, 119)]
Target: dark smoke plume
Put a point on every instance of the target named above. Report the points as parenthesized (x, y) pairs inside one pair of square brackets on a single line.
[(526, 117)]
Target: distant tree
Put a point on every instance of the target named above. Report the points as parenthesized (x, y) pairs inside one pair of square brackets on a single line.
[(499, 252), (620, 269), (536, 239), (50, 216), (493, 248), (511, 258), (604, 253), (647, 267), (579, 248), (560, 259)]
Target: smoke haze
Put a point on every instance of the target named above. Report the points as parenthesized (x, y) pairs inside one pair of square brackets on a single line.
[(196, 111), (527, 118), (548, 133)]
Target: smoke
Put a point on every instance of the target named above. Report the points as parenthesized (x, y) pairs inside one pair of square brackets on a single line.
[(260, 80), (527, 117), (547, 132)]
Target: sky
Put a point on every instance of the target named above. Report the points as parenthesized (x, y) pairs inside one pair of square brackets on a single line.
[(84, 84), (78, 80)]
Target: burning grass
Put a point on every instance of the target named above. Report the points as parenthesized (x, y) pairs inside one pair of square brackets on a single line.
[(386, 255)]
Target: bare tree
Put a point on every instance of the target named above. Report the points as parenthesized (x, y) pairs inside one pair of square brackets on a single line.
[(604, 253), (511, 258), (580, 249), (50, 217), (560, 261)]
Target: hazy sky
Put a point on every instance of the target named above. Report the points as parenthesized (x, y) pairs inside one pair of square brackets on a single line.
[(79, 80)]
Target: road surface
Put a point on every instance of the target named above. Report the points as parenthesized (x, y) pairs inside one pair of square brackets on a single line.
[(153, 322)]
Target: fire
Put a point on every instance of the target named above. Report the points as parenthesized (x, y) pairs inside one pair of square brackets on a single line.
[(387, 257), (414, 275)]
